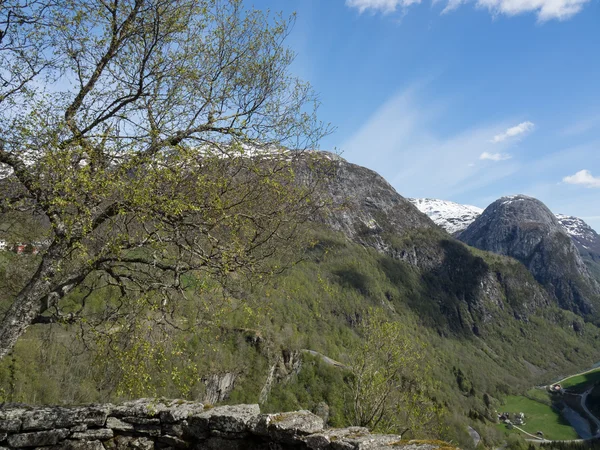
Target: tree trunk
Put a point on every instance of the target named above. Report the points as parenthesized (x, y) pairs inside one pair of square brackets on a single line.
[(28, 304)]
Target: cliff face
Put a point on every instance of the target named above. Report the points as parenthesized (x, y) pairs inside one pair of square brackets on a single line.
[(365, 207), (525, 229)]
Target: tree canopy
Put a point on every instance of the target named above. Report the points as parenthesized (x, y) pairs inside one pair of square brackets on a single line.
[(144, 140), (391, 381)]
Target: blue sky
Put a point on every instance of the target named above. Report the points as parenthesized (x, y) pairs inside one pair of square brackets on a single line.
[(460, 100)]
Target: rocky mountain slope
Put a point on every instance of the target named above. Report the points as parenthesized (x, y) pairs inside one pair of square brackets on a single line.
[(363, 205), (370, 212), (452, 217), (455, 218), (586, 239), (463, 291), (524, 228)]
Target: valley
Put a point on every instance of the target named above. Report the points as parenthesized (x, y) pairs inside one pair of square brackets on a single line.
[(201, 249), (560, 411), (487, 330)]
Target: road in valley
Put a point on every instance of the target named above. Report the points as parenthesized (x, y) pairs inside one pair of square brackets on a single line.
[(590, 417)]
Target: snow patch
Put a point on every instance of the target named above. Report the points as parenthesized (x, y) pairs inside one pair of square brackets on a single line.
[(452, 217), (507, 200), (576, 227)]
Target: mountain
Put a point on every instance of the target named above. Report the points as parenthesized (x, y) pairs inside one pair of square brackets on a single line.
[(489, 329), (585, 238), (459, 291), (452, 217), (455, 218), (362, 204), (524, 228)]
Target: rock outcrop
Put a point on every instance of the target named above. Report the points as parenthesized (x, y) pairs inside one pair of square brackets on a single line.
[(218, 387), (160, 424), (524, 228), (286, 365), (361, 204)]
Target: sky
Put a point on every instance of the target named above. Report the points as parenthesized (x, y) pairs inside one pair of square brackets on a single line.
[(461, 100)]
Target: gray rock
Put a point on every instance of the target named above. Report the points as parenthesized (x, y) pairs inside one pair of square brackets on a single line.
[(288, 427), (368, 442), (175, 429), (46, 419), (150, 430), (474, 435), (177, 411), (82, 445), (10, 425), (363, 205), (141, 420), (240, 427), (173, 441), (10, 419), (322, 410), (49, 418), (227, 444), (320, 441), (230, 420), (143, 407), (218, 387), (117, 424), (37, 438), (129, 442), (285, 366), (101, 434)]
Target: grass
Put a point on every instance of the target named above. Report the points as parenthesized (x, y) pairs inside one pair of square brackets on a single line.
[(580, 382), (540, 395), (538, 417)]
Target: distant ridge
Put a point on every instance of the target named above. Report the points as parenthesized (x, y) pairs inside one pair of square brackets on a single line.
[(455, 217)]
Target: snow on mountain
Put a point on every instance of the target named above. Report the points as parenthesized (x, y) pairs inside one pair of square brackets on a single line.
[(453, 217), (586, 239), (573, 225)]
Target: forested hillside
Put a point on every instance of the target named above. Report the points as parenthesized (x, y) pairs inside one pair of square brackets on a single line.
[(249, 333)]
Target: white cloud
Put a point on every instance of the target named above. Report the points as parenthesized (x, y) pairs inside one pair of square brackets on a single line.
[(545, 9), (384, 6), (495, 156), (451, 6), (583, 177), (522, 128)]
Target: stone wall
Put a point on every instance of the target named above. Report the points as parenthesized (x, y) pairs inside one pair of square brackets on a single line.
[(160, 424)]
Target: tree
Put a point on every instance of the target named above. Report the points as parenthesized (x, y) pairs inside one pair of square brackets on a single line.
[(391, 382), (147, 140)]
